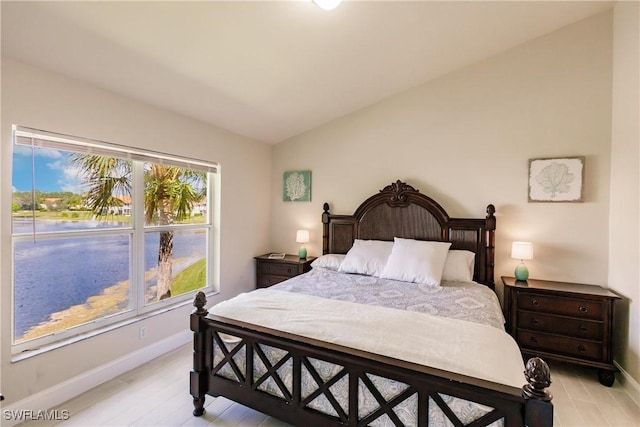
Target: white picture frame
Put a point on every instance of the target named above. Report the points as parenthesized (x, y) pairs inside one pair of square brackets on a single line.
[(558, 179)]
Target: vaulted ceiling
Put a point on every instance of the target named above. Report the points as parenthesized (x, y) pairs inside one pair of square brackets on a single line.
[(270, 70)]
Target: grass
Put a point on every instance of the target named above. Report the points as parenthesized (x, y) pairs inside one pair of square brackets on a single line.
[(191, 278)]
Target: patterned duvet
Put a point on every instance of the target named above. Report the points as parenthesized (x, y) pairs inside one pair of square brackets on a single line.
[(460, 300)]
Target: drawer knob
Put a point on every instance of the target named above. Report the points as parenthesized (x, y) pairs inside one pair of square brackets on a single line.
[(582, 328), (534, 321), (583, 309), (289, 270), (535, 303), (582, 348), (534, 340)]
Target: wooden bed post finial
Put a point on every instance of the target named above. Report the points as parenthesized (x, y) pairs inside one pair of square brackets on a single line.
[(538, 379), (538, 407), (325, 213), (491, 219), (199, 302)]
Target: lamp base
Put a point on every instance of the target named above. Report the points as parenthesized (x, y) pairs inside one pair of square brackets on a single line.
[(302, 252), (522, 272)]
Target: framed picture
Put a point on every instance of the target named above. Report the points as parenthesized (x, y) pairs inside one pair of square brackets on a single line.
[(556, 179), (296, 186)]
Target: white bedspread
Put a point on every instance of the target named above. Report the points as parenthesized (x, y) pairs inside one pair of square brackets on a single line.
[(453, 345)]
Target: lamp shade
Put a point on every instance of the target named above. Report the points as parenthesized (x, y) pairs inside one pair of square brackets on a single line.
[(327, 4), (302, 236), (522, 250)]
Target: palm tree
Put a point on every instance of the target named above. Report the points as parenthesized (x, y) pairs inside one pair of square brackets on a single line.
[(169, 195)]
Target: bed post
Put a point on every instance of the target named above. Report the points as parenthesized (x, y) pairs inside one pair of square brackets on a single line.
[(325, 228), (198, 378), (490, 245), (538, 407)]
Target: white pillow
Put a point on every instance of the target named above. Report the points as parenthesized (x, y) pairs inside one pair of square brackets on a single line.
[(459, 266), (328, 261), (416, 261), (366, 257)]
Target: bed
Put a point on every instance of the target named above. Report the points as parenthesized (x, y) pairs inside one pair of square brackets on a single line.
[(359, 343)]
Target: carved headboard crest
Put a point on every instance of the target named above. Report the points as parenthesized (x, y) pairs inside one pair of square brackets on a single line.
[(398, 191)]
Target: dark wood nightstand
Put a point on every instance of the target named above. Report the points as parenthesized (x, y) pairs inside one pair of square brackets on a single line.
[(570, 322), (272, 271)]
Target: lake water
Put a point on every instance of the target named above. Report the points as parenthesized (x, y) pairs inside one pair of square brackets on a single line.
[(53, 275)]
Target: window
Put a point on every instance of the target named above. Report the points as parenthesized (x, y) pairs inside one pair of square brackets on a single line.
[(103, 233)]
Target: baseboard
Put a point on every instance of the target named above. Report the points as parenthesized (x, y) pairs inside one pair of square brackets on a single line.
[(630, 385), (60, 393)]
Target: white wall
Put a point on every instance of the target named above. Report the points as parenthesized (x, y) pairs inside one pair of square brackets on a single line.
[(624, 219), (465, 140), (39, 99)]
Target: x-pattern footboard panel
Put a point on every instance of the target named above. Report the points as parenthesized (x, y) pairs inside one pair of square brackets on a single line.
[(272, 372), (288, 378)]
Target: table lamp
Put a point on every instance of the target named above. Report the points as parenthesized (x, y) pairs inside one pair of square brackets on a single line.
[(522, 251), (302, 237)]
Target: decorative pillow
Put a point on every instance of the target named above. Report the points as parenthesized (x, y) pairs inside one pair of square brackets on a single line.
[(459, 266), (328, 261), (416, 261), (366, 257)]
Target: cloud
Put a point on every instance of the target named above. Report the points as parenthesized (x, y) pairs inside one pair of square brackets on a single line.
[(23, 150), (68, 176)]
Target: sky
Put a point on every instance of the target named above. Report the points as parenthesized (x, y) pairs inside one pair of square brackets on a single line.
[(52, 171)]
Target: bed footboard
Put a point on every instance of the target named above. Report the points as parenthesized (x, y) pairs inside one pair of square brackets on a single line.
[(270, 371)]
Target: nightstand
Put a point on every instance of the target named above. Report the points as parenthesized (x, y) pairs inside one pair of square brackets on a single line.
[(272, 271), (569, 322)]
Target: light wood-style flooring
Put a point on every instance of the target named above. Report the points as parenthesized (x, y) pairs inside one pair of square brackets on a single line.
[(157, 394)]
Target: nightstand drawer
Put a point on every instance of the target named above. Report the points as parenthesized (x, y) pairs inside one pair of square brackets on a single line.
[(266, 280), (278, 269), (573, 307), (583, 349), (561, 325)]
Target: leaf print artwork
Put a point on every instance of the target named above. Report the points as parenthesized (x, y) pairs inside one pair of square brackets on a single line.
[(297, 186), (555, 178)]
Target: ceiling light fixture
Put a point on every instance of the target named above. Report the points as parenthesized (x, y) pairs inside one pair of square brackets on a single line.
[(327, 4)]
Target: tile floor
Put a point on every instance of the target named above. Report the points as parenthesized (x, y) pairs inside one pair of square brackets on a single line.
[(156, 394)]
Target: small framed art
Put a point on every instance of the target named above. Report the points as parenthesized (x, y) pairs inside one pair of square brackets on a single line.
[(556, 179), (296, 186)]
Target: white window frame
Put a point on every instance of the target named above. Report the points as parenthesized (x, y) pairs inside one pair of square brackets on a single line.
[(137, 308)]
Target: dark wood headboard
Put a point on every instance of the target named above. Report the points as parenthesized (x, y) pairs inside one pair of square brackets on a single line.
[(399, 210)]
